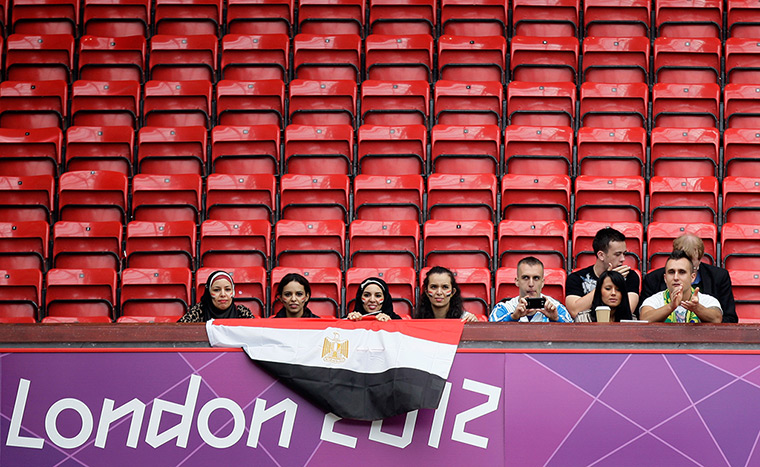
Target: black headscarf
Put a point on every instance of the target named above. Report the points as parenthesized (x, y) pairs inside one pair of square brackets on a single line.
[(387, 307), (207, 305)]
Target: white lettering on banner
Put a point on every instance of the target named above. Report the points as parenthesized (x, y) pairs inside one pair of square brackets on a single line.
[(181, 430), (375, 433), (262, 414), (238, 421), (108, 415), (490, 405), (338, 438), (51, 428), (14, 436), (440, 414)]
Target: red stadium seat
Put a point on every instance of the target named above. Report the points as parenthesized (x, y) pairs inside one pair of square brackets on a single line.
[(741, 152), (314, 197), (392, 150), (250, 102), (82, 245), (177, 104), (120, 18), (743, 20), (45, 16), (331, 16), (20, 295), (39, 57), (389, 243), (260, 16), (395, 102), (685, 152), (741, 200), (187, 18), (544, 59), (472, 58), (686, 105), (112, 58), (176, 150), (468, 103), (402, 17), (325, 282), (161, 244), (319, 149), (534, 150), (402, 285), (465, 149), (674, 18), (609, 199), (255, 57), (105, 103), (746, 288), (183, 58), (687, 60), (616, 60), (388, 197), (322, 102), (107, 148), (741, 103), (24, 245), (682, 199), (622, 19), (605, 105), (474, 18), (250, 287), (92, 196), (242, 243), (466, 197), (319, 244), (245, 149), (583, 237), (174, 197), (474, 287), (27, 152), (541, 104), (542, 18), (402, 58), (33, 104), (27, 198), (454, 244), (739, 246), (535, 197), (660, 236), (616, 151), (546, 240), (326, 57), (241, 197), (506, 288), (80, 295), (155, 294)]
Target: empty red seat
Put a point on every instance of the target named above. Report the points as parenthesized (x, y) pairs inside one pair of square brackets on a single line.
[(161, 244), (542, 18), (33, 104), (314, 197), (739, 246), (535, 197), (660, 236), (554, 283), (686, 105), (388, 197), (155, 294), (545, 240), (401, 281), (260, 16), (401, 17), (183, 58), (24, 245), (121, 18), (26, 197), (80, 295), (583, 238), (473, 18), (622, 19), (310, 243), (26, 152), (472, 58), (92, 195), (692, 60), (173, 197), (105, 103), (322, 102), (746, 288), (20, 295), (462, 197), (616, 60), (541, 104), (82, 245), (177, 104), (743, 20), (402, 58), (245, 149), (325, 57), (255, 57), (388, 243), (624, 105), (685, 152), (458, 244), (319, 149), (612, 151), (108, 148), (250, 102), (241, 197), (465, 149), (392, 150), (741, 200), (45, 16), (741, 103), (250, 286), (175, 150), (331, 17), (395, 102), (609, 199), (39, 57), (682, 199), (741, 152), (191, 17), (544, 59), (674, 18), (535, 150), (242, 243), (325, 282), (468, 103), (112, 58)]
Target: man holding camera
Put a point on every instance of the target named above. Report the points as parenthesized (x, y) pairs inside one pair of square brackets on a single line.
[(530, 305)]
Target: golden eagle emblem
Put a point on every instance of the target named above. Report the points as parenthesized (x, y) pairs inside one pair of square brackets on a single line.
[(335, 350)]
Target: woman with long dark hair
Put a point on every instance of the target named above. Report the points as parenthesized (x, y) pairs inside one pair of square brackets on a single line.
[(294, 292), (440, 297), (610, 291)]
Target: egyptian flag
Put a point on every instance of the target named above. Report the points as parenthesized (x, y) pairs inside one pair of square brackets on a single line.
[(363, 370)]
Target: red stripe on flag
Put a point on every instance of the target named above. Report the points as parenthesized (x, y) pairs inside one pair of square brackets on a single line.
[(444, 331)]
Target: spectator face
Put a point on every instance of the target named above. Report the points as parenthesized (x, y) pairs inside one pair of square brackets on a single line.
[(221, 294), (372, 298), (611, 295), (439, 290), (294, 297), (678, 272), (530, 280), (614, 255)]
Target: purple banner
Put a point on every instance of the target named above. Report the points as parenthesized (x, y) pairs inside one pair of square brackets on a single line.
[(204, 408)]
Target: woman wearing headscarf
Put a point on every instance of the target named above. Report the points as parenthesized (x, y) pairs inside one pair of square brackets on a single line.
[(373, 298), (217, 302)]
